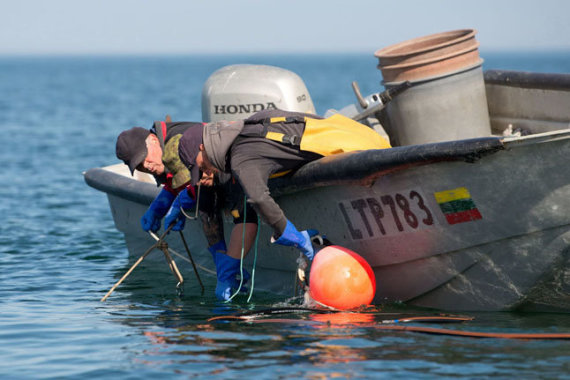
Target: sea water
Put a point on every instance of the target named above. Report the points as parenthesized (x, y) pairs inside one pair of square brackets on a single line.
[(60, 252)]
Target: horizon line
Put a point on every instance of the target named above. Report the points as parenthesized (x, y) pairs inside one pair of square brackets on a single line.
[(236, 53)]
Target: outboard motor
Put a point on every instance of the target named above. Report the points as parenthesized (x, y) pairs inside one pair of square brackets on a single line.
[(235, 92)]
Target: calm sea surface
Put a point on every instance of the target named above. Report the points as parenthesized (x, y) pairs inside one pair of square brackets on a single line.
[(60, 252)]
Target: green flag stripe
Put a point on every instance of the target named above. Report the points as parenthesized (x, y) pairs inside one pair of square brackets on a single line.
[(457, 206)]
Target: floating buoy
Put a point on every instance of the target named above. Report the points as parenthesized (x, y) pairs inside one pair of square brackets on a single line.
[(341, 278)]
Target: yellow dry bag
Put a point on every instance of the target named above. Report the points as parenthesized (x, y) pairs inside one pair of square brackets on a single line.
[(333, 135), (338, 134)]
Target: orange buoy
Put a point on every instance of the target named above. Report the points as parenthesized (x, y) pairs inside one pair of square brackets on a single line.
[(341, 278)]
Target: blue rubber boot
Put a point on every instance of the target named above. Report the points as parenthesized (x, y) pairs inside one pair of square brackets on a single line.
[(301, 240), (227, 271)]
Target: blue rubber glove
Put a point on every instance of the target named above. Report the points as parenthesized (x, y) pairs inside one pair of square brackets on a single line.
[(150, 221), (183, 201), (300, 240)]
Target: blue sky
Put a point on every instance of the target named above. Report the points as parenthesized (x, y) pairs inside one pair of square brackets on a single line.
[(255, 26)]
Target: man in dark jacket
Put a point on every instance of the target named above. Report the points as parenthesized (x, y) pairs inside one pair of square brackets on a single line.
[(269, 143), (156, 151)]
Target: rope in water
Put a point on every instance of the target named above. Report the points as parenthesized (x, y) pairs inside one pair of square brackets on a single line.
[(273, 311), (401, 317), (386, 325), (475, 334)]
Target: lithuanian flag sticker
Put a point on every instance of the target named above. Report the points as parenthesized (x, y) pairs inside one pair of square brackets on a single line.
[(457, 205)]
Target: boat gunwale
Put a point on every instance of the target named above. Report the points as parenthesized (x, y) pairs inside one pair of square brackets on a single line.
[(528, 80), (113, 183), (363, 167), (358, 167)]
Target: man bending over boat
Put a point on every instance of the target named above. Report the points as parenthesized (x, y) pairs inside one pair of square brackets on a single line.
[(157, 151), (268, 144)]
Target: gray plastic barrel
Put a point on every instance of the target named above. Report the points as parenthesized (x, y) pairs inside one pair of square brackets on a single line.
[(447, 100)]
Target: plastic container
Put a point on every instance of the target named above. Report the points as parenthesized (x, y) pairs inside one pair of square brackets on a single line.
[(447, 100)]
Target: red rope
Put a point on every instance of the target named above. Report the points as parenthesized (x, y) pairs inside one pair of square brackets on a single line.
[(473, 334)]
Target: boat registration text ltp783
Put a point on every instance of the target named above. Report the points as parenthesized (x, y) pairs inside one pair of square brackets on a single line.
[(406, 211)]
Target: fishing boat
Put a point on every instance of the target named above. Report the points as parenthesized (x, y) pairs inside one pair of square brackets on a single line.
[(469, 210)]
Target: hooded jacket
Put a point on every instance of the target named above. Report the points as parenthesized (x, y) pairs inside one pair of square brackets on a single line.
[(218, 137)]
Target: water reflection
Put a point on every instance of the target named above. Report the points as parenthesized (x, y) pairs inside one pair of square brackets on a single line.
[(172, 334)]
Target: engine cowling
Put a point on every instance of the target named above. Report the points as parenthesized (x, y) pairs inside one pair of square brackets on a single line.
[(237, 91)]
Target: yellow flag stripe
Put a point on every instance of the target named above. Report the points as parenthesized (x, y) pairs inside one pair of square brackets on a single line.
[(452, 195)]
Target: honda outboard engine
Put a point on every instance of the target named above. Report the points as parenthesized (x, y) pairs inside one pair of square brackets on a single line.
[(238, 91)]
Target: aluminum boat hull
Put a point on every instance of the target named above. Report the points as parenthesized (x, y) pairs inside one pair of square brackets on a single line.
[(480, 224)]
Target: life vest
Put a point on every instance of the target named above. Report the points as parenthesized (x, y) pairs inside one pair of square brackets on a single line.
[(333, 135)]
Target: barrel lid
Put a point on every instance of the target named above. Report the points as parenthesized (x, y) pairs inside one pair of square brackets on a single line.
[(429, 56)]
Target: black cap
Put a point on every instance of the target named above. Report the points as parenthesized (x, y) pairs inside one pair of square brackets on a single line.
[(131, 147), (189, 148)]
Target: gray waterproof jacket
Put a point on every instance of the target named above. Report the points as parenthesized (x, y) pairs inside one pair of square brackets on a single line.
[(239, 148)]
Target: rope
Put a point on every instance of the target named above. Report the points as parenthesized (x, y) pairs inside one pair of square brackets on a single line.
[(254, 259), (241, 260), (242, 248), (196, 215), (475, 334), (242, 254), (395, 317), (388, 324)]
